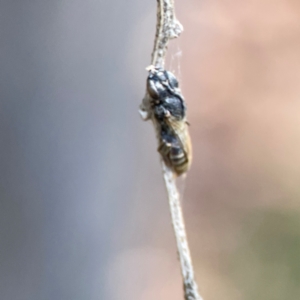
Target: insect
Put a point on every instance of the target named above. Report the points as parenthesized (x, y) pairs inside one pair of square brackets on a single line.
[(168, 111)]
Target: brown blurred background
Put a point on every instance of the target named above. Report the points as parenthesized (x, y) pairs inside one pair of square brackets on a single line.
[(83, 210)]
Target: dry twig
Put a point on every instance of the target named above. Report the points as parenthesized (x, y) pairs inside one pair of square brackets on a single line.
[(167, 28)]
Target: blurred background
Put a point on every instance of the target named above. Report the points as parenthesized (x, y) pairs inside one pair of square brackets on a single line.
[(83, 209)]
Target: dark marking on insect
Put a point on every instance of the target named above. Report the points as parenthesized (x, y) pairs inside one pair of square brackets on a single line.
[(163, 88), (169, 113)]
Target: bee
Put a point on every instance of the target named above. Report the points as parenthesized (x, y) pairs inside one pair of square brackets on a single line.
[(168, 111)]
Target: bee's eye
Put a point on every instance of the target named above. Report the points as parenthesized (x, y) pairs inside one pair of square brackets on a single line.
[(155, 89), (172, 79), (161, 76)]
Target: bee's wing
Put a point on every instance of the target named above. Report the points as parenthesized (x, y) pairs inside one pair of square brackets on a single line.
[(180, 129)]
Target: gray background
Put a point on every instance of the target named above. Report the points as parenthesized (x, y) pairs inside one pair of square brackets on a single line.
[(71, 143), (83, 211)]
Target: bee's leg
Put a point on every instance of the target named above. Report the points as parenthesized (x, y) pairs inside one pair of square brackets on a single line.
[(161, 113), (167, 113), (155, 104)]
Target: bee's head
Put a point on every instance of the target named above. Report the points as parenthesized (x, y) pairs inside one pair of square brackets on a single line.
[(157, 83)]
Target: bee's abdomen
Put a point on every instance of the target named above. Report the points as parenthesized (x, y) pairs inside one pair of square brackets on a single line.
[(174, 145), (179, 160)]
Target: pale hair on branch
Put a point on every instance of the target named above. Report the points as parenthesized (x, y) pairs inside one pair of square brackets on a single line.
[(168, 27)]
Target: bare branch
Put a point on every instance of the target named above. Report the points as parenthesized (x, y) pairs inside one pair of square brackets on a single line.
[(187, 270), (168, 27)]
